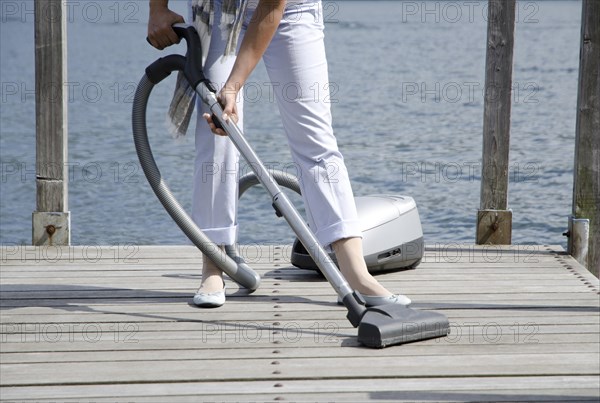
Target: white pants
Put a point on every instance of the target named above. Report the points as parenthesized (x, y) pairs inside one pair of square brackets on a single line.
[(295, 61)]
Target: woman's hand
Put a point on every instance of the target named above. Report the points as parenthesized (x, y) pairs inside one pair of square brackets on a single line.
[(160, 30), (227, 98)]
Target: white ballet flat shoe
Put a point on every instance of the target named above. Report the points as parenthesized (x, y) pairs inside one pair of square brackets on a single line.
[(211, 299), (375, 300)]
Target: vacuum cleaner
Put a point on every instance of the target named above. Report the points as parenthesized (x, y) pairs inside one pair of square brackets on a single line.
[(378, 326)]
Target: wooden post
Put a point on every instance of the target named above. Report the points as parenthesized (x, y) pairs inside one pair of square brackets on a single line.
[(494, 220), (51, 220), (586, 181)]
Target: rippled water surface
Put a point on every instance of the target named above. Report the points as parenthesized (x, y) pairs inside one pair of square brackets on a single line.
[(407, 96)]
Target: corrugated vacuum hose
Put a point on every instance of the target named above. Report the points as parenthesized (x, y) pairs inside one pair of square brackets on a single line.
[(232, 265)]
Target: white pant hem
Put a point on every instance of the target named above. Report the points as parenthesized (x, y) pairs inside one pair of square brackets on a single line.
[(222, 236), (340, 230)]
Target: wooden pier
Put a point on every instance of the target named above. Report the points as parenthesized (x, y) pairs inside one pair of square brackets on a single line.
[(85, 323)]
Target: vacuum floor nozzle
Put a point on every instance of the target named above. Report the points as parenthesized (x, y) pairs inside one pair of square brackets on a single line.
[(386, 325)]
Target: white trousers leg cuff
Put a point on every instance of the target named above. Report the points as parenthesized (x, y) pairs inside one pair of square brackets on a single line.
[(343, 229), (222, 236)]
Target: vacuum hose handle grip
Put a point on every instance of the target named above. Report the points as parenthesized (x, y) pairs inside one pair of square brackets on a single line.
[(193, 59), (193, 66)]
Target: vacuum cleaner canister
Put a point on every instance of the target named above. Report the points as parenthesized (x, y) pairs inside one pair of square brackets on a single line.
[(392, 234)]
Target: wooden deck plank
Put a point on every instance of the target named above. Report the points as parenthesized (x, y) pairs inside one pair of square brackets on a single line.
[(176, 282), (503, 386), (525, 326), (280, 393), (298, 368), (174, 263), (228, 341), (540, 292), (543, 395), (324, 311), (206, 351), (149, 321), (255, 333)]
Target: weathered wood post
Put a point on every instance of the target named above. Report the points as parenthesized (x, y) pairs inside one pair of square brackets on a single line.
[(494, 220), (584, 224), (51, 220)]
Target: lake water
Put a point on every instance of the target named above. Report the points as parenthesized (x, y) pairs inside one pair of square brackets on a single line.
[(407, 84)]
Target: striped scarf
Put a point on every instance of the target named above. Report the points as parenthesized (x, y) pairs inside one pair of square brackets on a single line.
[(203, 14)]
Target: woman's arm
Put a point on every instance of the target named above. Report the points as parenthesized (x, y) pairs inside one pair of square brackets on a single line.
[(261, 29)]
